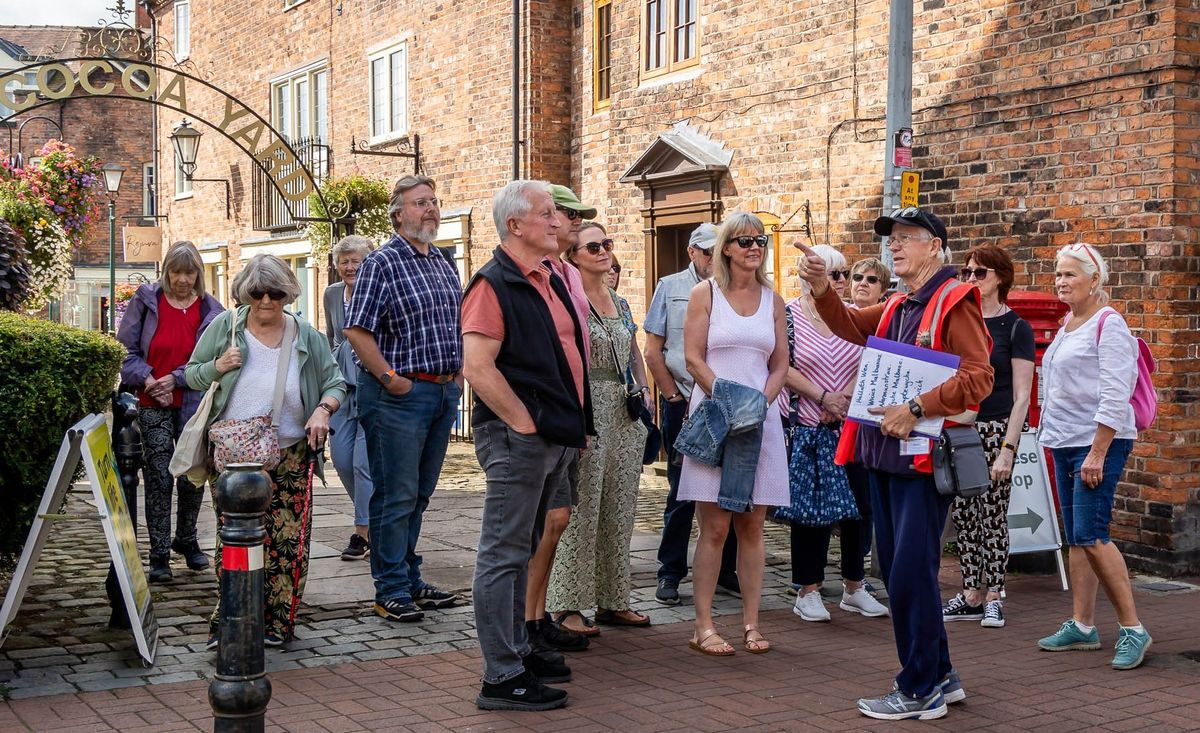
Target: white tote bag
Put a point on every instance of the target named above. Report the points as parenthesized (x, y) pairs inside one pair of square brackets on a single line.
[(190, 458)]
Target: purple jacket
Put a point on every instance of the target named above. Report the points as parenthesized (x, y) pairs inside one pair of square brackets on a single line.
[(137, 329)]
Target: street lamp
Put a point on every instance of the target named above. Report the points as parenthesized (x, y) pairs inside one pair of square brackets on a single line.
[(186, 141), (112, 184)]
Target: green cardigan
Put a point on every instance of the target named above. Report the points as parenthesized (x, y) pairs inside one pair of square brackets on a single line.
[(319, 373)]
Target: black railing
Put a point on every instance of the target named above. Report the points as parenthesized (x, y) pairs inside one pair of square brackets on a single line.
[(461, 433), (271, 212)]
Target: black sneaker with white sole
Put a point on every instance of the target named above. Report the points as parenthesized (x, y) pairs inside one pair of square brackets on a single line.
[(429, 597), (523, 692), (957, 609), (358, 549), (993, 615), (668, 592), (398, 610)]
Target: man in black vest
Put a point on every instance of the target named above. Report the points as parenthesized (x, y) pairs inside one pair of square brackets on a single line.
[(524, 357)]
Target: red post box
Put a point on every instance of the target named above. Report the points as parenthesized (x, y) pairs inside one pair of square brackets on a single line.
[(1045, 313)]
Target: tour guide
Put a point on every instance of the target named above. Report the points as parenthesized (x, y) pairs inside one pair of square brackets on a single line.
[(909, 513)]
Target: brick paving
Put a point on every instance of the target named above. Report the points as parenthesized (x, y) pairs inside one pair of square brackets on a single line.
[(348, 670)]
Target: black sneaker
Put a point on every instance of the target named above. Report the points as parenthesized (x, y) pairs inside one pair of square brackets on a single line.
[(729, 586), (357, 549), (957, 609), (430, 597), (213, 641), (522, 692), (556, 637), (545, 668), (993, 615), (668, 591), (192, 554), (160, 569), (272, 640), (398, 610)]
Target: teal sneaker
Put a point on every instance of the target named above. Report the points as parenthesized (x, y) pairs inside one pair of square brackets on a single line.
[(1070, 637), (1131, 648)]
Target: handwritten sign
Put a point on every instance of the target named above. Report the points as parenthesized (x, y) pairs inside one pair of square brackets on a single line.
[(143, 244), (892, 373)]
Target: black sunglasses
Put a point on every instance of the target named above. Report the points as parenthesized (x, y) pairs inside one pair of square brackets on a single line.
[(748, 242), (594, 248), (616, 269), (979, 272), (871, 279), (572, 214), (836, 275), (274, 294)]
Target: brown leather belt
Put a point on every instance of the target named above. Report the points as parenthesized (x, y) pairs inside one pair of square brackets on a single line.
[(423, 377)]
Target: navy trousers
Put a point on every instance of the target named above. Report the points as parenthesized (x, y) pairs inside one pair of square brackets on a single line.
[(909, 516)]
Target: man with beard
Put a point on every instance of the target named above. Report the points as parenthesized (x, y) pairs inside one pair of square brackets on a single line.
[(403, 323)]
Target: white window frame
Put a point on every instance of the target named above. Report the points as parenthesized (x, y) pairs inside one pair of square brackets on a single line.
[(149, 189), (307, 78), (15, 87), (388, 131), (183, 40), (183, 187)]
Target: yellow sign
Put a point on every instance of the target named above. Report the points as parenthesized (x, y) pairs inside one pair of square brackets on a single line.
[(910, 188), (143, 244)]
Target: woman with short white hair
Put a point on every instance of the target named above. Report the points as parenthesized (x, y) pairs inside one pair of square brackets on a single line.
[(312, 391), (821, 372), (1088, 376)]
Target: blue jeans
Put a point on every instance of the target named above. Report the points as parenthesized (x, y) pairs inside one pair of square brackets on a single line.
[(677, 515), (406, 445), (348, 448), (909, 516), (1086, 512)]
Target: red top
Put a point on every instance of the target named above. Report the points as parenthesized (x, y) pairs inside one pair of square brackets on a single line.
[(172, 345)]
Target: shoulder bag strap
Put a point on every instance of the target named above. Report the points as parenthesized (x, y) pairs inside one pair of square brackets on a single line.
[(793, 398), (889, 310), (612, 342), (281, 368)]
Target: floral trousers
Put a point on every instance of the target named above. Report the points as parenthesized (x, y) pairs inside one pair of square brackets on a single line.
[(160, 427), (591, 564), (283, 554), (982, 521)]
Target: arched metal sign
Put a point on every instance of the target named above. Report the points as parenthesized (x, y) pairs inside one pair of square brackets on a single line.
[(177, 90)]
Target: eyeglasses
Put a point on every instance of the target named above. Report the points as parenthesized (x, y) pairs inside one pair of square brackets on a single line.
[(423, 204), (571, 214), (748, 242), (979, 273), (903, 239), (836, 275), (859, 277), (908, 212), (594, 248), (274, 294)]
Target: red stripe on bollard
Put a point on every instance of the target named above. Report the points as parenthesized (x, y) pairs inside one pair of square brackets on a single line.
[(241, 558)]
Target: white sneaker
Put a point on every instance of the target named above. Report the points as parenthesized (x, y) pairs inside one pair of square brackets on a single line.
[(810, 607), (860, 601)]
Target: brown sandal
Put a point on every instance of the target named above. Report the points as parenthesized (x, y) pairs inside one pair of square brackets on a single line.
[(587, 627), (706, 645), (758, 645), (627, 617)]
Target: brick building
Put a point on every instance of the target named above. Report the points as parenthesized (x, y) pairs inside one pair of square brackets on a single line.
[(109, 128), (1037, 124)]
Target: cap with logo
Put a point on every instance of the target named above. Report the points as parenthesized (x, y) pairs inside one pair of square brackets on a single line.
[(912, 216), (567, 199), (703, 236)]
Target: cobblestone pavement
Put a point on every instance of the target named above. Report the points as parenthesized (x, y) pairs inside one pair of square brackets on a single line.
[(59, 642)]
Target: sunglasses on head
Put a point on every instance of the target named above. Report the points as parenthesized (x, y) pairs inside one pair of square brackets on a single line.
[(274, 294), (979, 273), (571, 214), (859, 277), (748, 242), (594, 248), (836, 275)]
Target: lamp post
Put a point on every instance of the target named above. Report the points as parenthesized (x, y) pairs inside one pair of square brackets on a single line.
[(186, 141), (112, 184)]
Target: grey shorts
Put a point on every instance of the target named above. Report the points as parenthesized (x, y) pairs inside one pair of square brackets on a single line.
[(566, 494)]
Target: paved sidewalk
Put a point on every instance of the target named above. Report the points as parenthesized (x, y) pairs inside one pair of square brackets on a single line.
[(647, 680)]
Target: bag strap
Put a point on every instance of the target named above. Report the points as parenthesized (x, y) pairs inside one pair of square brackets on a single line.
[(281, 368), (889, 310), (793, 398), (612, 342), (1100, 326)]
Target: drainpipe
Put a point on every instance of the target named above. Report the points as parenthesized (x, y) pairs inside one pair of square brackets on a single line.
[(516, 89)]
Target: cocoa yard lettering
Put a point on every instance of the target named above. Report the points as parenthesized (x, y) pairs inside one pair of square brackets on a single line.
[(169, 88)]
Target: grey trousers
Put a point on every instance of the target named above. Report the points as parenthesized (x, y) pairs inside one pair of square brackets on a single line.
[(523, 472)]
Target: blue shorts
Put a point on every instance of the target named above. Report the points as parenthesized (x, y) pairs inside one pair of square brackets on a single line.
[(1086, 513)]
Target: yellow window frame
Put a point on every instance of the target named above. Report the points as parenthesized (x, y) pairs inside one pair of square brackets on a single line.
[(599, 103)]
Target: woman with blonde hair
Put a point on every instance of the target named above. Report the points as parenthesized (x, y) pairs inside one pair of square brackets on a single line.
[(735, 342)]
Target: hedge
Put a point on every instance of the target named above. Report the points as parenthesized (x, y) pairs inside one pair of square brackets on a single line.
[(51, 375)]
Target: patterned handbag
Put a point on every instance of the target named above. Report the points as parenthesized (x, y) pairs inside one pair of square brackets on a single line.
[(820, 491), (255, 439)]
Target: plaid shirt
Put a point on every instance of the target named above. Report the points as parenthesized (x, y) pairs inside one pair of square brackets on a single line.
[(410, 303)]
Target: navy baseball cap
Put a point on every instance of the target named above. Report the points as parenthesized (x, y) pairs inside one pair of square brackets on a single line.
[(912, 216)]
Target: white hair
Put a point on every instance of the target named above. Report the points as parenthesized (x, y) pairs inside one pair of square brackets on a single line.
[(265, 272), (352, 244), (512, 202), (1088, 257), (833, 259)]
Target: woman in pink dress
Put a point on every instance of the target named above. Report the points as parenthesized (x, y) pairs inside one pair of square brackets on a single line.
[(735, 330)]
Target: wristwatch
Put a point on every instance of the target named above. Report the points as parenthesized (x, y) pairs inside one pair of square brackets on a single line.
[(386, 377), (915, 408)]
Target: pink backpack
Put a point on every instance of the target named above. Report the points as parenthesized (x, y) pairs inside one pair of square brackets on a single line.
[(1144, 399)]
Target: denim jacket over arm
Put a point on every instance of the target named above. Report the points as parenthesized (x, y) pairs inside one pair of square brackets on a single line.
[(726, 430)]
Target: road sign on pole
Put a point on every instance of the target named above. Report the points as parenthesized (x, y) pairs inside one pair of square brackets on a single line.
[(910, 188)]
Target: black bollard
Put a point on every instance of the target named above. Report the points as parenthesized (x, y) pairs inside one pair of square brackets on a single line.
[(127, 447), (240, 691)]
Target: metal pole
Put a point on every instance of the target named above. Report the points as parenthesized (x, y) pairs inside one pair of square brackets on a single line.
[(240, 691), (127, 446), (899, 103), (516, 89), (112, 266)]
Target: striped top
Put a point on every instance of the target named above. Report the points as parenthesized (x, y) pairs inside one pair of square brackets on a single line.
[(827, 361)]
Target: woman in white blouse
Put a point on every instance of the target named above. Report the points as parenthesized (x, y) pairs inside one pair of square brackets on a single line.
[(1087, 422)]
